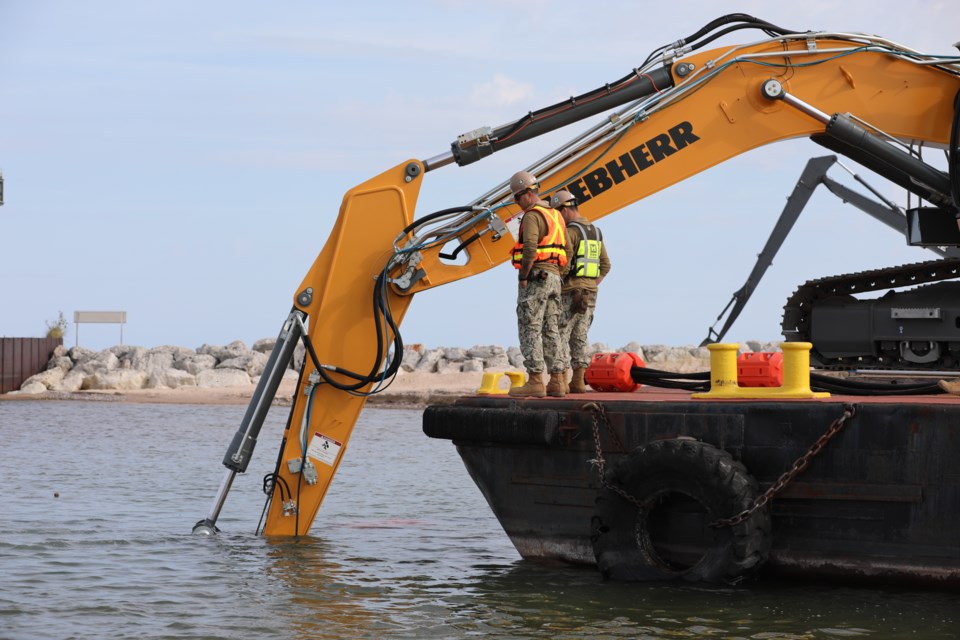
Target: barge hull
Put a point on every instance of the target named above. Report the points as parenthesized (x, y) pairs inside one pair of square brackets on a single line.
[(881, 500)]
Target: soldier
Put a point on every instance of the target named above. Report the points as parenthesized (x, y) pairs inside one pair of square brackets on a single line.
[(588, 265), (539, 255)]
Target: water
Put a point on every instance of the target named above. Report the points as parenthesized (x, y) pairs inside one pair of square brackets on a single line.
[(404, 547)]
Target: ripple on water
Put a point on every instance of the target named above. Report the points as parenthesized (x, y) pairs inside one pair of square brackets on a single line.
[(390, 556)]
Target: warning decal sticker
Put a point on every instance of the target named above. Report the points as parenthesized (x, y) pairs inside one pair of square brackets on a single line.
[(324, 449)]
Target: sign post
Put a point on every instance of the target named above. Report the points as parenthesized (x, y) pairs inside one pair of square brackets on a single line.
[(107, 317)]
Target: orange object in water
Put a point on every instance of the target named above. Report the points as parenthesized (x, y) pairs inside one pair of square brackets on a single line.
[(760, 369), (611, 371)]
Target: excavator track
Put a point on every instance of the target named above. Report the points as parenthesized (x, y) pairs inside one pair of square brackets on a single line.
[(797, 312)]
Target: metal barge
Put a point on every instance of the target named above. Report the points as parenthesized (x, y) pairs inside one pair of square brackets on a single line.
[(858, 487)]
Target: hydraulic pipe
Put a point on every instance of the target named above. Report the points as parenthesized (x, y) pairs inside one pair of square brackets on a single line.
[(471, 147), (244, 441), (891, 160), (848, 137)]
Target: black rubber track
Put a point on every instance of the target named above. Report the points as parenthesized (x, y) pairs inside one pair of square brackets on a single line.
[(682, 486)]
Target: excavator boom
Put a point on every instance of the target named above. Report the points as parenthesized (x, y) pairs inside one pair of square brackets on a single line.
[(681, 113)]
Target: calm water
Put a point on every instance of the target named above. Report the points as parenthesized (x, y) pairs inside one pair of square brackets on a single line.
[(404, 547)]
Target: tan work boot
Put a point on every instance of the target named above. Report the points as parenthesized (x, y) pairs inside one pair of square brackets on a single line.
[(533, 387), (566, 381), (556, 388), (950, 386), (578, 384)]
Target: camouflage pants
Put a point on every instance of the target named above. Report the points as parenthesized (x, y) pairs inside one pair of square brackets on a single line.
[(538, 323), (574, 324)]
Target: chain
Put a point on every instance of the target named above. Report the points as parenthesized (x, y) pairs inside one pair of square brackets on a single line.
[(798, 466), (600, 414)]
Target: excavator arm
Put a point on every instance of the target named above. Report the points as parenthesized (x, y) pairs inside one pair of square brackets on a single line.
[(680, 113)]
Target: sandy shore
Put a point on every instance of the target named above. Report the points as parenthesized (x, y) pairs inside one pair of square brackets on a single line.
[(407, 390)]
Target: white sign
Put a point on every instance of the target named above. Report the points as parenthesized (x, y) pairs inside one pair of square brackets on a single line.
[(324, 449), (118, 317)]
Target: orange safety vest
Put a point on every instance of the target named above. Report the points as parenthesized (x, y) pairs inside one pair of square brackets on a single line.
[(552, 246)]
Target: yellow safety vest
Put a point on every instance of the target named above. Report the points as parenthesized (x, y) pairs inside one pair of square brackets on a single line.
[(552, 246), (586, 260)]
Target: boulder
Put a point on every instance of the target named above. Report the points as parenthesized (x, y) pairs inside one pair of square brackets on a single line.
[(223, 378), (473, 365), (654, 352), (47, 378), (485, 352), (71, 382), (31, 388), (411, 357), (264, 345), (454, 354), (633, 347), (253, 362), (496, 363), (97, 362), (118, 379), (60, 362), (157, 360), (448, 366), (195, 363), (78, 354), (130, 357), (700, 353), (599, 347), (233, 350), (170, 379), (515, 357), (428, 363)]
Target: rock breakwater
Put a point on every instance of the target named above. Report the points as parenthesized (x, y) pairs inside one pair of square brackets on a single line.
[(128, 368)]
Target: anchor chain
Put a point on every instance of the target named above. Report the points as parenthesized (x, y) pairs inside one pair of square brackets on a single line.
[(600, 414), (787, 477)]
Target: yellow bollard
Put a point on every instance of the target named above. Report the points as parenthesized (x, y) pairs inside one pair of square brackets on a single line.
[(796, 375), (490, 384), (723, 370)]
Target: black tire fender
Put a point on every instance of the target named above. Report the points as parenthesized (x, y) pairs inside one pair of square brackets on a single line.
[(678, 487)]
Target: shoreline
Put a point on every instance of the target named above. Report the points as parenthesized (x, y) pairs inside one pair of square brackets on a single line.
[(409, 390)]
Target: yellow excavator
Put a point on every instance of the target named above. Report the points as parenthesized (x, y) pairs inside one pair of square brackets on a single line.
[(682, 111)]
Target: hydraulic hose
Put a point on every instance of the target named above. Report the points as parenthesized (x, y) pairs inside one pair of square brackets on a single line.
[(749, 22), (419, 222), (382, 317), (699, 381)]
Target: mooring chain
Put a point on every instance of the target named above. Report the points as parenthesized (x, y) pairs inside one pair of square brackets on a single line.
[(787, 477), (600, 414)]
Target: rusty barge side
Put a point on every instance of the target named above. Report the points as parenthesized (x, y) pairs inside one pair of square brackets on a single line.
[(881, 499)]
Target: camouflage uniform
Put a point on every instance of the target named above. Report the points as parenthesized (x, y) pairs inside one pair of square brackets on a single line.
[(579, 301), (574, 325), (538, 324), (538, 304)]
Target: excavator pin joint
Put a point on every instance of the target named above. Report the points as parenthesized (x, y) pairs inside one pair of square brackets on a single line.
[(412, 170), (772, 89), (305, 297)]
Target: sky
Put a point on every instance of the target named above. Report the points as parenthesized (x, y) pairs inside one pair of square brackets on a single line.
[(185, 161)]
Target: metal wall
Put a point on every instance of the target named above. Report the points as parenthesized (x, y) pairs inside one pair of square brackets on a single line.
[(21, 358)]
